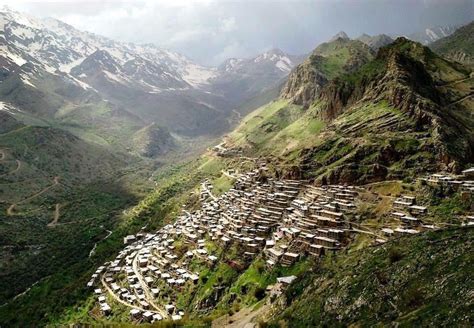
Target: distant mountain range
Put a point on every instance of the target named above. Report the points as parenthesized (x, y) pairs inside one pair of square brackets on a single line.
[(432, 34), (143, 81), (459, 46)]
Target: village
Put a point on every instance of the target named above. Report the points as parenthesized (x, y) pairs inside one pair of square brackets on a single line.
[(281, 220)]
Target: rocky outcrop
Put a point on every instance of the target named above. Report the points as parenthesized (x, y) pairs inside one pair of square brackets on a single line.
[(329, 60), (304, 85), (413, 128)]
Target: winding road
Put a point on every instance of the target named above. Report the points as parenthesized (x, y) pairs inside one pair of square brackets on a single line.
[(18, 164), (10, 210), (92, 252), (56, 216), (148, 296)]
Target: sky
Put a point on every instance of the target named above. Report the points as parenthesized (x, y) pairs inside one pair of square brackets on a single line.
[(210, 31)]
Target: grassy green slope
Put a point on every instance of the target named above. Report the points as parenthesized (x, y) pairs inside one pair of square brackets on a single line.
[(405, 107), (89, 192), (423, 280)]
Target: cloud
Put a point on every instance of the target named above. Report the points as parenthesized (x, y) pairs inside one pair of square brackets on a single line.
[(228, 24), (209, 31)]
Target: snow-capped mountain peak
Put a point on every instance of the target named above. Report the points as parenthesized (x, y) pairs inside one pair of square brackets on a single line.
[(59, 47)]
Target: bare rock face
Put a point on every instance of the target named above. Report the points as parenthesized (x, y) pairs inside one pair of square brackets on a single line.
[(340, 55), (304, 85)]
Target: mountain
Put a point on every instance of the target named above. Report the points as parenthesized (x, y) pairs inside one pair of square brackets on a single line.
[(341, 35), (432, 34), (150, 83), (85, 124), (370, 122), (458, 46), (362, 149), (326, 62), (375, 42), (239, 79)]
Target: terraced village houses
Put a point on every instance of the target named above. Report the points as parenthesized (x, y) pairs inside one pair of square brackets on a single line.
[(281, 220)]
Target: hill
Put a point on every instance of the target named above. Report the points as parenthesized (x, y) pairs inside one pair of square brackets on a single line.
[(405, 106), (325, 63), (457, 46), (46, 171), (152, 141)]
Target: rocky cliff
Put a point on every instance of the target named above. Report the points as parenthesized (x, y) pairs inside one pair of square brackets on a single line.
[(327, 61), (392, 113)]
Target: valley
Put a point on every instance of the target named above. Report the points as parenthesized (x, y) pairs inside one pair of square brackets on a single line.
[(334, 188)]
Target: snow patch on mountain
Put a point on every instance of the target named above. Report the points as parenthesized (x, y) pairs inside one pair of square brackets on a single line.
[(197, 75), (66, 68), (9, 108), (26, 80)]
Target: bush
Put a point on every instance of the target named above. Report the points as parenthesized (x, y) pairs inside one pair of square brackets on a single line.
[(414, 298), (395, 255), (259, 293), (262, 324)]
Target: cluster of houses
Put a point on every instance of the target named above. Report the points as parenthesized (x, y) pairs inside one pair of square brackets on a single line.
[(285, 219), (408, 217), (282, 220), (464, 183)]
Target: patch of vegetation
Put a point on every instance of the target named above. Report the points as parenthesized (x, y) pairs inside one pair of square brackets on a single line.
[(379, 287)]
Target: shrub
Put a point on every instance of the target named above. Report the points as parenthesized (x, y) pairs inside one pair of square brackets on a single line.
[(259, 293), (262, 324), (414, 298), (395, 255)]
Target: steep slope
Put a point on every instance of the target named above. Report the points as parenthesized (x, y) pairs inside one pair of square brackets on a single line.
[(417, 279), (395, 117), (325, 63), (152, 141), (407, 106), (43, 168), (153, 84), (459, 46), (411, 281), (242, 79)]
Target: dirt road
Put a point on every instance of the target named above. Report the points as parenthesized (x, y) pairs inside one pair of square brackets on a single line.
[(11, 209), (56, 216), (146, 291)]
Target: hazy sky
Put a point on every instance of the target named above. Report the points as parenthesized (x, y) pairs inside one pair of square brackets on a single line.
[(211, 31)]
